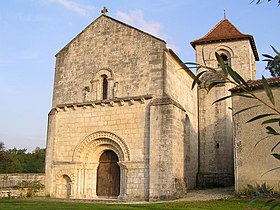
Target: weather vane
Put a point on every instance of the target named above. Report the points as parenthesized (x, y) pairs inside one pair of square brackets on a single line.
[(104, 11), (225, 14)]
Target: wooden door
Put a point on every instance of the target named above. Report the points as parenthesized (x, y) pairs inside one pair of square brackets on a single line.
[(108, 175)]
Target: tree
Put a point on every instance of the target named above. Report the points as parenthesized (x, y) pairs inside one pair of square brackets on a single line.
[(260, 1), (8, 164), (273, 63), (20, 161), (228, 75)]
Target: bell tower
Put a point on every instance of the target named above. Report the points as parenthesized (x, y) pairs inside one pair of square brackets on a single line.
[(216, 162)]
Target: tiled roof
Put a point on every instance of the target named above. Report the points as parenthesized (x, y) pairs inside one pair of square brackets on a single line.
[(257, 84), (226, 31)]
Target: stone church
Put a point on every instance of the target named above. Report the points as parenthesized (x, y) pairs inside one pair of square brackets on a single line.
[(125, 122)]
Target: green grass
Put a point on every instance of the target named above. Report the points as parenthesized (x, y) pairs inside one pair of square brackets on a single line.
[(52, 205)]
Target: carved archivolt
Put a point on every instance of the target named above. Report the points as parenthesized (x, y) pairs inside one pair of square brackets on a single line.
[(93, 145)]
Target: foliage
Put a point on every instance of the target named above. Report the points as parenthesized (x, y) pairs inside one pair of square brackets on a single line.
[(273, 63), (261, 192), (229, 76), (232, 77), (258, 190), (20, 161), (260, 1), (32, 187)]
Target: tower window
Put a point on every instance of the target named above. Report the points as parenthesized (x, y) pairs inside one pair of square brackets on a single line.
[(104, 86), (225, 58)]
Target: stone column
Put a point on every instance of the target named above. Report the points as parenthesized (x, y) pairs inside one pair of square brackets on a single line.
[(110, 88), (91, 180), (123, 180), (80, 178), (95, 89)]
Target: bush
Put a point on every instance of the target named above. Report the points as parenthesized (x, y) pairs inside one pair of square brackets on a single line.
[(29, 188)]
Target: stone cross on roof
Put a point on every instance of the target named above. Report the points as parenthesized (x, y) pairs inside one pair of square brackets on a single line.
[(104, 11)]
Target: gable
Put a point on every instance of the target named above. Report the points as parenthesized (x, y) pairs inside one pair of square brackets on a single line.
[(105, 18), (133, 58)]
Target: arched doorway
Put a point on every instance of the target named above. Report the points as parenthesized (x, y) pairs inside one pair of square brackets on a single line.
[(66, 186), (108, 175)]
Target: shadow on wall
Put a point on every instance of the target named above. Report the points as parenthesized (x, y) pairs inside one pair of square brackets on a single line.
[(216, 160)]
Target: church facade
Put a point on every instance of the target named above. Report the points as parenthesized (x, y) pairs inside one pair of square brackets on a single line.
[(125, 122)]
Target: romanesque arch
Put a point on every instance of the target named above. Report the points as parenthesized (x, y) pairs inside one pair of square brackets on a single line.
[(64, 181), (99, 79), (222, 49), (91, 147), (87, 155)]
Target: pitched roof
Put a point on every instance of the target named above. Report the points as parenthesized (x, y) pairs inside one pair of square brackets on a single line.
[(257, 84), (226, 31), (105, 16)]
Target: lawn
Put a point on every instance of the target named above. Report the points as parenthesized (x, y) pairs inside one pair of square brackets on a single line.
[(52, 205)]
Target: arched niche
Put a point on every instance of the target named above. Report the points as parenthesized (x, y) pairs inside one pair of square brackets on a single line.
[(64, 184)]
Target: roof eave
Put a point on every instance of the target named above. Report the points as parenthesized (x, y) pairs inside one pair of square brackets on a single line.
[(249, 37)]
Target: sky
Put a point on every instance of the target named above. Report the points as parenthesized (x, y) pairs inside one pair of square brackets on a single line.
[(33, 31)]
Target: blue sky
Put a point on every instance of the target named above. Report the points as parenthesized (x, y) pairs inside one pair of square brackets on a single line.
[(33, 31)]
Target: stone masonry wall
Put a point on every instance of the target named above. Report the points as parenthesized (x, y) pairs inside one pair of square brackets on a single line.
[(133, 58), (127, 119), (241, 56), (177, 86), (166, 151), (252, 162), (11, 180), (216, 151), (215, 121)]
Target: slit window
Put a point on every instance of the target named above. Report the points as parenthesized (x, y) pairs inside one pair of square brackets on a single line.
[(217, 145), (104, 86)]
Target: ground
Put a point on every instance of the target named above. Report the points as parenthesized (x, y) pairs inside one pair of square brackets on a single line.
[(196, 199)]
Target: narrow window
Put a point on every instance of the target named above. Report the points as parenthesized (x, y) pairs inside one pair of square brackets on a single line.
[(104, 86), (225, 58), (217, 145)]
